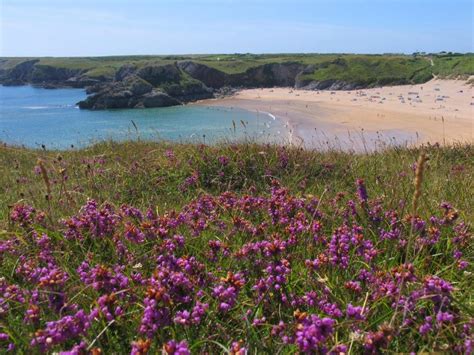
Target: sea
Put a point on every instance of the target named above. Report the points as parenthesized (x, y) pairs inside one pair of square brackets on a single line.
[(50, 119)]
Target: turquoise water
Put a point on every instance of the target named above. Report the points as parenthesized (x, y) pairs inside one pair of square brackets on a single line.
[(33, 117)]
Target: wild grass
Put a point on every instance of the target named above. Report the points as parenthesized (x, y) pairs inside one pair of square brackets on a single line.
[(251, 165), (261, 220)]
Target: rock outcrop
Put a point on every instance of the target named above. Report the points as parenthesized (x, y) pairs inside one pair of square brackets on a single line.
[(19, 74), (83, 81), (132, 92), (157, 98), (209, 76), (149, 86), (124, 71), (158, 75), (189, 91), (47, 74), (267, 75)]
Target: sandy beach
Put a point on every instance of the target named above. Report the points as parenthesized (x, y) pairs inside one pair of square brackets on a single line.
[(438, 111)]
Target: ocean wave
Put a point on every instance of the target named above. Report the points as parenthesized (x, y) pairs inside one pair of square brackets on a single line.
[(269, 114), (51, 107), (36, 107)]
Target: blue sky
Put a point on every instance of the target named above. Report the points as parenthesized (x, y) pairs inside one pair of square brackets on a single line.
[(114, 27)]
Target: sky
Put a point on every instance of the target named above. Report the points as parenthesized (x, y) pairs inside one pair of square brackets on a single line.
[(125, 27)]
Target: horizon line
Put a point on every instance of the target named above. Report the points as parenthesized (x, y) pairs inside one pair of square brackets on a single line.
[(238, 53)]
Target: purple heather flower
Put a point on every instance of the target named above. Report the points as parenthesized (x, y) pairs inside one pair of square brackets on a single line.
[(361, 190), (237, 348), (353, 286), (226, 296), (468, 346), (227, 291), (102, 278), (313, 332), (427, 326), (93, 221), (354, 312), (338, 350), (62, 330), (182, 317), (435, 284), (134, 234), (462, 264), (329, 308), (78, 349), (198, 312), (444, 317), (140, 347), (22, 214), (176, 348), (170, 154), (154, 317), (259, 321), (133, 212), (339, 247), (109, 308), (223, 160)]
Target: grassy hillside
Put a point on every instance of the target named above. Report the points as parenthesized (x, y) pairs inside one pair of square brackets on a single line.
[(453, 66), (347, 67), (149, 246), (239, 63), (373, 70), (92, 66)]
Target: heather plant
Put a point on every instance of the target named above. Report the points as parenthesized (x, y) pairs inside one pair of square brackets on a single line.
[(145, 248)]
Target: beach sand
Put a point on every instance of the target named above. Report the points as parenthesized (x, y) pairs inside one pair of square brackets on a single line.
[(439, 111)]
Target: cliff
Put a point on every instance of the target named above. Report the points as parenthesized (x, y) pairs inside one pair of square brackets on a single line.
[(134, 82)]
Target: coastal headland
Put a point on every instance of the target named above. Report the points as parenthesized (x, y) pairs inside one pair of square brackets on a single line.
[(157, 81)]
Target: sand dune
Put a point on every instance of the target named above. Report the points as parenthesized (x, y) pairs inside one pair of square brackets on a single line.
[(438, 111)]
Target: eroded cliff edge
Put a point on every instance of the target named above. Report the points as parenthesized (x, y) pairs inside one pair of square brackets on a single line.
[(147, 82)]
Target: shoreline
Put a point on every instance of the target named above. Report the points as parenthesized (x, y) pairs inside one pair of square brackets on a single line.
[(439, 111)]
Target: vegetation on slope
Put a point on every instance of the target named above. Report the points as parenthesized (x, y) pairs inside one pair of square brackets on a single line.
[(453, 66), (373, 70), (369, 69), (235, 248)]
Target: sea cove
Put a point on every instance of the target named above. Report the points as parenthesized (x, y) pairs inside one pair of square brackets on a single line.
[(34, 117)]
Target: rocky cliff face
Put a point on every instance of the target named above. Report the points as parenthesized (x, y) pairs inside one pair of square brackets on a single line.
[(267, 75), (132, 92), (135, 86), (46, 74), (20, 74), (30, 72), (150, 86), (209, 76), (158, 75)]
